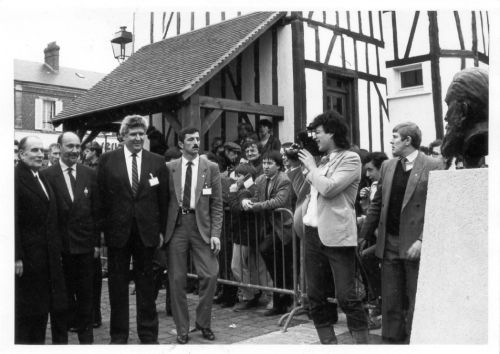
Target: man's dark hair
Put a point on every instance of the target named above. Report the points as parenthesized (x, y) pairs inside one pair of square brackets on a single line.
[(22, 143), (333, 123), (376, 158), (185, 131), (266, 123), (16, 142), (247, 127), (275, 156), (409, 129), (250, 143), (55, 145), (435, 143), (246, 169)]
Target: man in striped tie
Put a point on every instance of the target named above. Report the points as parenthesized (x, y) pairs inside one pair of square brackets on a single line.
[(133, 194)]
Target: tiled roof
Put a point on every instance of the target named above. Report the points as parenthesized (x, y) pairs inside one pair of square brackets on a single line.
[(172, 66), (29, 71)]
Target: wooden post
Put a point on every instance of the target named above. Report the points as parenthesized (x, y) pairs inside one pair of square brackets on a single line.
[(190, 113), (299, 76), (435, 73)]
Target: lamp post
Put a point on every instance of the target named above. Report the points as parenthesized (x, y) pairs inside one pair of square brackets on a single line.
[(121, 44)]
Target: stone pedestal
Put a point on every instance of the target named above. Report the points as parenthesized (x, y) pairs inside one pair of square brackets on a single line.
[(452, 295)]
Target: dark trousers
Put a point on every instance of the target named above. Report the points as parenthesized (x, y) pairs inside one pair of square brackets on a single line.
[(97, 289), (342, 261), (59, 327), (399, 288), (118, 263), (279, 263), (78, 274), (31, 329)]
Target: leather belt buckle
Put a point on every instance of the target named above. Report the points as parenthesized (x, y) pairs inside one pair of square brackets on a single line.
[(185, 211)]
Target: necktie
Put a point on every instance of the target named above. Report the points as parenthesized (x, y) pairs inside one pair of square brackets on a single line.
[(268, 180), (404, 160), (135, 176), (72, 180), (186, 200)]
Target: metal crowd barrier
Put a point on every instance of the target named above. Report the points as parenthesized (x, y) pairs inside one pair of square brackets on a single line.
[(263, 231)]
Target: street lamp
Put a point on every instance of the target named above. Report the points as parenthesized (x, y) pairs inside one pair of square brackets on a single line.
[(121, 44)]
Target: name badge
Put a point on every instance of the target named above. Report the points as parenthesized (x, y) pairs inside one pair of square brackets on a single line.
[(248, 182), (207, 191), (153, 181)]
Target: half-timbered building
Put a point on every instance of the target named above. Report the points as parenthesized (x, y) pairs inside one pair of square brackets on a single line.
[(376, 68)]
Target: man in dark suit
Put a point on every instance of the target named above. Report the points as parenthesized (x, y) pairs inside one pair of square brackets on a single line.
[(39, 281), (133, 195), (273, 190), (398, 210), (75, 189), (194, 222)]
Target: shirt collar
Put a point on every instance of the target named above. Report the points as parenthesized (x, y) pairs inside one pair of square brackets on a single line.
[(195, 161), (411, 157), (65, 167), (129, 153)]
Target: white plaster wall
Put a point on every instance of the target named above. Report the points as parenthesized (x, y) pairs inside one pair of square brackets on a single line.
[(452, 294), (285, 83), (314, 94)]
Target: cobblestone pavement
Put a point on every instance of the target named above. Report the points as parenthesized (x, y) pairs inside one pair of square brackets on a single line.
[(245, 327)]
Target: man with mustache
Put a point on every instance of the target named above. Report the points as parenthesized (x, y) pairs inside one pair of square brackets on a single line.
[(194, 223), (75, 189)]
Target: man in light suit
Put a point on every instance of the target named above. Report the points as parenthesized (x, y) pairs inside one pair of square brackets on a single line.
[(75, 189), (330, 227), (133, 195), (194, 222), (398, 210), (39, 282)]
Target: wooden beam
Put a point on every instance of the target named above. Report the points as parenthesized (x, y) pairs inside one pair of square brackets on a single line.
[(330, 47), (173, 121), (209, 120), (342, 50), (316, 43), (299, 76), (380, 26), (407, 61), (324, 16), (360, 23), (235, 86), (310, 14), (395, 35), (378, 61), (152, 28), (230, 105), (435, 73), (460, 37), (223, 95), (93, 133), (474, 39), (348, 16), (340, 30), (355, 44), (381, 100), (369, 107), (207, 18), (482, 30), (178, 23), (256, 73), (189, 114), (381, 125), (309, 64), (370, 23), (168, 25), (274, 66), (192, 20), (337, 20), (412, 34)]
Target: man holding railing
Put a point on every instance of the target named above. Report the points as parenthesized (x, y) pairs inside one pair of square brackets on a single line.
[(272, 191)]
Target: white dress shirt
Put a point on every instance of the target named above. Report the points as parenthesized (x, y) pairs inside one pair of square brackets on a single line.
[(128, 161), (64, 169), (194, 179), (35, 174), (311, 216), (410, 160)]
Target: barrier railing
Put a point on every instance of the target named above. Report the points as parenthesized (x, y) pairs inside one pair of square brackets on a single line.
[(264, 246)]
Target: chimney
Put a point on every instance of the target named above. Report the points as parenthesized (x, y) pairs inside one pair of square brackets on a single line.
[(52, 56)]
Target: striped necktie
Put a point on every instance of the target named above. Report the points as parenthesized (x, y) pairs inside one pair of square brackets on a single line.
[(135, 175), (72, 179)]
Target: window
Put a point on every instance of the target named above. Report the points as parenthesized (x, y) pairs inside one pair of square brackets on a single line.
[(45, 110), (411, 78)]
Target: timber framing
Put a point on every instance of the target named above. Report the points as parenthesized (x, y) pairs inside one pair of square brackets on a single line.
[(309, 64), (343, 31), (230, 105)]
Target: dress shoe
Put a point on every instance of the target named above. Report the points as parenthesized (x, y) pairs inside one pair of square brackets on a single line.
[(274, 312), (182, 338), (206, 332)]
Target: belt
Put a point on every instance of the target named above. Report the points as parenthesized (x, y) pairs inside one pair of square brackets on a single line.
[(185, 211)]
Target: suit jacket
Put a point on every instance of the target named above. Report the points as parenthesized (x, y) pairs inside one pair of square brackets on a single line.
[(209, 210), (280, 190), (117, 205), (413, 208), (78, 218), (41, 288), (337, 189)]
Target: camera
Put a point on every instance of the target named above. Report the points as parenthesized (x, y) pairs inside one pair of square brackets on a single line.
[(292, 152)]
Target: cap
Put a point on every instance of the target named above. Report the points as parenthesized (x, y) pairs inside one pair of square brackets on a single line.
[(232, 146)]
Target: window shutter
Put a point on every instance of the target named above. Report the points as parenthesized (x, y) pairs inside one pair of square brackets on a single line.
[(38, 113), (59, 107)]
